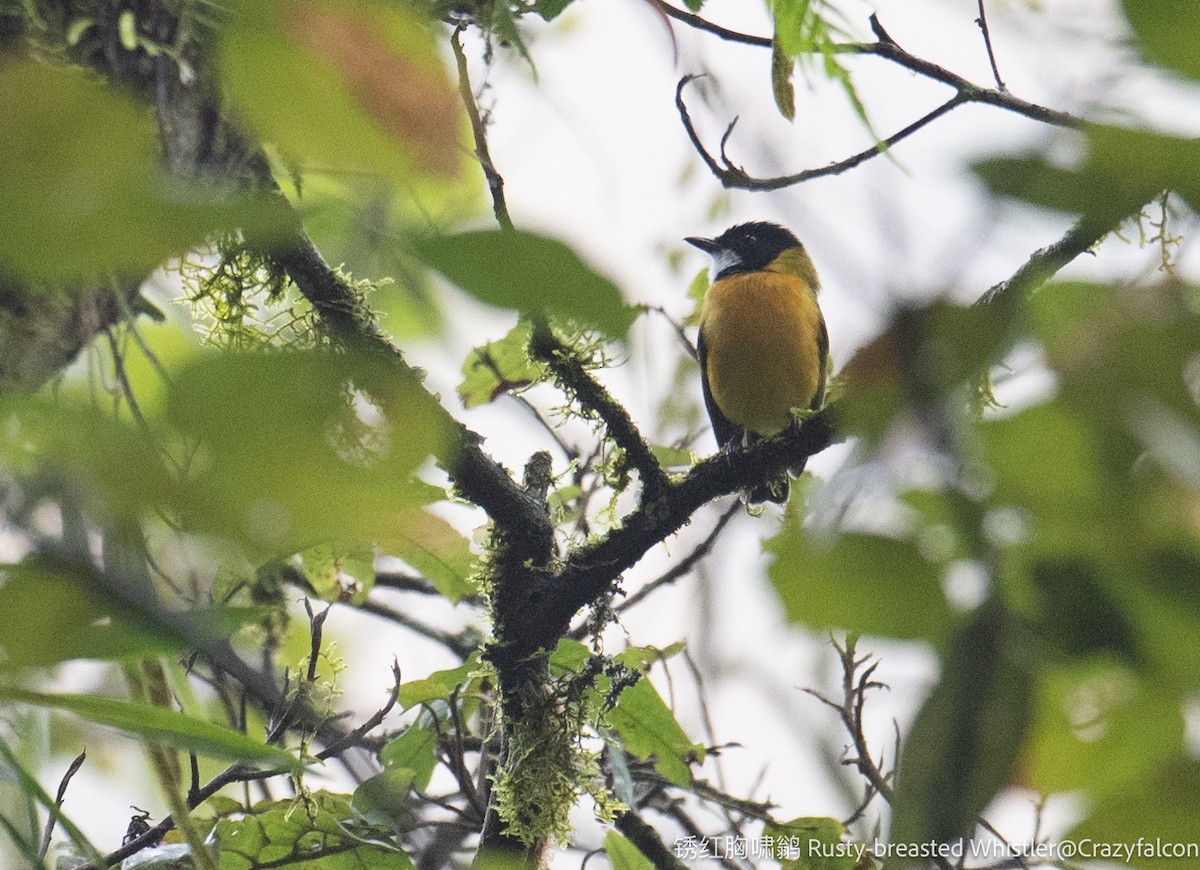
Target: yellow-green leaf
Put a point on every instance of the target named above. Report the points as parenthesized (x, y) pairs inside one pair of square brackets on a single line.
[(531, 273), (160, 725), (649, 729), (781, 82)]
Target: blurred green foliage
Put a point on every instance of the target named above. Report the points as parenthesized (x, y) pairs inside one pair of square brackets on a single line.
[(532, 273), (82, 189)]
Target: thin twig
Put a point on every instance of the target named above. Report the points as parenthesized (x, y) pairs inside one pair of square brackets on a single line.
[(58, 801), (123, 380), (456, 643), (571, 453), (1017, 857), (370, 724), (676, 811), (495, 180), (402, 582), (570, 372), (647, 841), (680, 569), (687, 563), (459, 759), (733, 176), (680, 332), (233, 773), (710, 734), (1042, 266), (316, 628), (886, 48), (717, 30), (987, 41)]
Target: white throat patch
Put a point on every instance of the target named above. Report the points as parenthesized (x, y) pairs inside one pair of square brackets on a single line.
[(722, 260)]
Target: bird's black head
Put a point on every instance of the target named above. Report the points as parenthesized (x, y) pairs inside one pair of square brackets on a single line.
[(745, 247)]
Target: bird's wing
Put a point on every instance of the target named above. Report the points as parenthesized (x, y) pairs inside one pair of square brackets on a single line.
[(823, 351), (723, 429)]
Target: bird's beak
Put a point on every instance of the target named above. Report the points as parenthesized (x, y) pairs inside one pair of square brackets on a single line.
[(708, 246)]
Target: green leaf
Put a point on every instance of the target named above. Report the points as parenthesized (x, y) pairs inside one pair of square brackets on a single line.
[(930, 357), (865, 583), (12, 770), (61, 611), (340, 573), (504, 24), (531, 273), (798, 26), (387, 798), (1081, 615), (1100, 726), (160, 725), (351, 85), (813, 843), (782, 88), (94, 450), (1164, 28), (435, 549), (500, 367), (82, 191), (640, 658), (802, 30), (696, 291), (649, 729), (673, 457), (322, 832), (551, 9), (569, 657), (416, 751), (1113, 350), (1163, 809), (1061, 477), (244, 836), (438, 686), (623, 855), (223, 805), (55, 617), (287, 459), (1123, 170), (965, 742)]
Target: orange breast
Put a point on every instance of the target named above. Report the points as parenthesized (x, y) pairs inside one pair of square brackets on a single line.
[(761, 330)]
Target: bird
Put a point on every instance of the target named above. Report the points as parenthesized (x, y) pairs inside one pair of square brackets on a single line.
[(763, 343)]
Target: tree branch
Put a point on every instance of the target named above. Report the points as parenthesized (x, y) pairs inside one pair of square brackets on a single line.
[(733, 176), (590, 569), (987, 41), (565, 365), (679, 569), (478, 477), (647, 841), (72, 769), (1046, 262), (495, 180), (885, 47), (230, 775)]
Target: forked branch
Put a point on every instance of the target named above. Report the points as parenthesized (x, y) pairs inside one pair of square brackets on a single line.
[(885, 47)]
